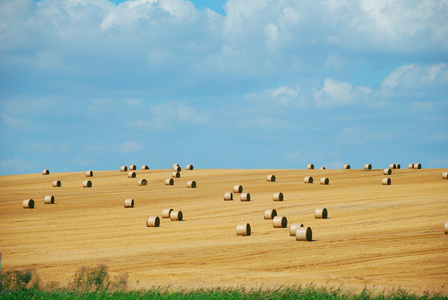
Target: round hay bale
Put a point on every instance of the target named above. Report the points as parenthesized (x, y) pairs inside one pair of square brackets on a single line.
[(245, 197), (386, 181), (308, 179), (175, 174), (279, 222), (152, 221), (304, 234), (176, 215), (87, 183), (191, 184), (89, 173), (417, 166), (346, 167), (410, 166), (445, 175), (166, 213), (320, 213), (368, 167), (28, 203), (322, 168), (49, 199), (169, 181), (270, 178), (56, 183), (133, 167), (145, 167), (398, 166), (237, 188), (293, 228), (129, 203), (277, 197), (142, 182), (175, 165), (189, 167), (392, 166), (123, 169), (324, 181), (228, 196), (310, 166), (132, 174), (270, 213), (387, 171), (445, 227), (177, 169), (243, 229), (45, 172)]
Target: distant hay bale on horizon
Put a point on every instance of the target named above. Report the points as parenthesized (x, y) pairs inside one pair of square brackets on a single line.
[(245, 197), (49, 199), (368, 167), (87, 183), (152, 221), (322, 168), (320, 213), (145, 167), (45, 172), (410, 166), (169, 181), (191, 184), (308, 179), (269, 214), (123, 169), (176, 215), (228, 196), (270, 178), (392, 166), (279, 222), (166, 213), (445, 175), (175, 175), (293, 228), (417, 166), (304, 234), (310, 166), (324, 181), (57, 183), (346, 167), (189, 167), (277, 197), (445, 227), (177, 168), (243, 229), (89, 173), (142, 182), (129, 203), (28, 203), (132, 174), (175, 165), (398, 166), (238, 188), (133, 167), (386, 181), (387, 171)]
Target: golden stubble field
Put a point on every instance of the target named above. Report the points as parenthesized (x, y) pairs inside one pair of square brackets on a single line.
[(376, 237)]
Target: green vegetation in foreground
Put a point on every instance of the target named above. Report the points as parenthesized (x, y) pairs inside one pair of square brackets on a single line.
[(95, 283)]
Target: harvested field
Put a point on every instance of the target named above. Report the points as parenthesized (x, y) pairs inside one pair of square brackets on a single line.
[(376, 237)]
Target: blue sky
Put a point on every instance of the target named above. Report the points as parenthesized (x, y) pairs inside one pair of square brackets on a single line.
[(93, 85)]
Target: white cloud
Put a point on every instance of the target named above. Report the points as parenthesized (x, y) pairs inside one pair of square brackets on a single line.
[(129, 147), (12, 121), (339, 93), (432, 72), (393, 79), (133, 102), (16, 164), (281, 96)]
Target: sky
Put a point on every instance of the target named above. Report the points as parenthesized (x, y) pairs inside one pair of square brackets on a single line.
[(236, 84)]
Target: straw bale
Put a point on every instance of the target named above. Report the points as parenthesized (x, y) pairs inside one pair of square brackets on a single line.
[(367, 167), (89, 173), (133, 167), (175, 165), (123, 169), (245, 197), (398, 166), (166, 213), (169, 181), (387, 171), (145, 167), (87, 183), (153, 221), (56, 183), (410, 166), (175, 174), (191, 184), (228, 196), (310, 166), (129, 203), (346, 167), (392, 166), (243, 229), (270, 213), (28, 203), (237, 188), (49, 199), (132, 174), (304, 234), (322, 168), (445, 227), (270, 178), (324, 181), (45, 172), (417, 166), (386, 181), (279, 222), (308, 179), (293, 228), (142, 182), (189, 167), (277, 197), (176, 215), (445, 175), (320, 213)]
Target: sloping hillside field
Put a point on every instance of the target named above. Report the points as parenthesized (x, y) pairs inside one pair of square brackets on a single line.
[(381, 237)]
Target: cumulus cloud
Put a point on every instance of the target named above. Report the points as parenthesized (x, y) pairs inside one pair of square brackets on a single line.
[(335, 93), (281, 96)]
